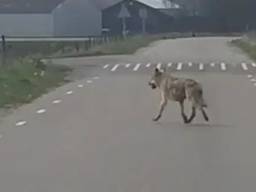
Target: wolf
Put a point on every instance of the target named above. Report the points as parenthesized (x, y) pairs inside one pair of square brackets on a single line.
[(178, 90)]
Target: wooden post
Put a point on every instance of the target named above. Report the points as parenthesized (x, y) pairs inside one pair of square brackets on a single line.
[(3, 50)]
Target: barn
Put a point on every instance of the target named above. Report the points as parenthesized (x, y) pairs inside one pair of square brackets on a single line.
[(49, 18), (156, 21)]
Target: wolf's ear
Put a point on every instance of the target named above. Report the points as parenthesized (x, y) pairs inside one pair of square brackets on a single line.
[(159, 71), (163, 69)]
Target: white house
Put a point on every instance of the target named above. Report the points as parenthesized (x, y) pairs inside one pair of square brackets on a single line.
[(49, 18)]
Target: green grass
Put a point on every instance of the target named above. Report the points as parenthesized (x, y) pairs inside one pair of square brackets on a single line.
[(127, 46), (247, 47), (21, 82), (23, 49)]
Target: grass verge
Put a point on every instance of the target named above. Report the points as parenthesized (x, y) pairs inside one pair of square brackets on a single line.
[(115, 47), (247, 47), (24, 81), (126, 46)]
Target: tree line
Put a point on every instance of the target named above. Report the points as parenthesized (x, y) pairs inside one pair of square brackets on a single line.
[(229, 15)]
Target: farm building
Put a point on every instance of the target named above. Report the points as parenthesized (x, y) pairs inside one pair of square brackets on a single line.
[(49, 18), (156, 21)]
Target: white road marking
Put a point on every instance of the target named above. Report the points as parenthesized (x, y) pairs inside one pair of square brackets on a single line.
[(190, 64), (169, 64), (80, 86), (136, 67), (223, 66), (89, 81), (115, 67), (253, 80), (41, 111), (1, 136), (201, 66), (127, 65), (69, 92), (179, 66), (158, 66), (96, 77), (105, 66), (148, 65), (254, 64), (244, 66), (249, 76), (212, 64), (56, 101), (21, 123), (254, 84)]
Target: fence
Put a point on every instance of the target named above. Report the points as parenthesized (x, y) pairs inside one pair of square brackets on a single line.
[(13, 47)]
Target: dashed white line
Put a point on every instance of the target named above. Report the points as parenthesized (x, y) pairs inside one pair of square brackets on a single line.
[(254, 84), (212, 64), (253, 80), (169, 64), (136, 68), (1, 136), (80, 86), (249, 76), (254, 64), (115, 67), (223, 66), (56, 101), (96, 77), (105, 66), (89, 81), (244, 66), (127, 65), (201, 66), (148, 65), (69, 92), (190, 64), (179, 66), (159, 65), (41, 111), (21, 123)]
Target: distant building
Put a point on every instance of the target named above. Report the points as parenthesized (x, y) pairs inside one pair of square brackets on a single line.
[(49, 18), (157, 21)]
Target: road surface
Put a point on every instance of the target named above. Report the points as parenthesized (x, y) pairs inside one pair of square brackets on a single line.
[(96, 134)]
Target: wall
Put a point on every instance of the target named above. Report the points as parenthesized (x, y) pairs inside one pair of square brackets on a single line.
[(77, 18), (26, 24), (156, 22)]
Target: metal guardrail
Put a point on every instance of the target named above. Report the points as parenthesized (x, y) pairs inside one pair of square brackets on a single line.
[(48, 39), (10, 46)]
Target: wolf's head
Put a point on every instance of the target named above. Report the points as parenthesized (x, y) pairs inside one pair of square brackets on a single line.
[(156, 78)]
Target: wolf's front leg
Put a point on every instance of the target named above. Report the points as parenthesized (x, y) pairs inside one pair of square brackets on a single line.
[(162, 107)]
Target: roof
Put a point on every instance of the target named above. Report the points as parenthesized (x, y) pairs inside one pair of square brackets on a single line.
[(160, 4), (28, 6), (156, 4), (103, 4)]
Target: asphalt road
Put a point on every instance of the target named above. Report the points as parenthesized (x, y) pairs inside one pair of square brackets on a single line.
[(96, 134)]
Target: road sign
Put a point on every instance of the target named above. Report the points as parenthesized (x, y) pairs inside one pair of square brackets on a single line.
[(143, 13), (124, 12)]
